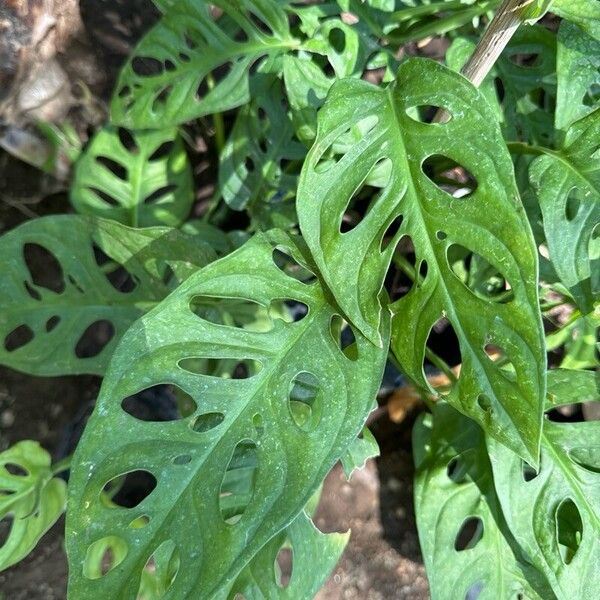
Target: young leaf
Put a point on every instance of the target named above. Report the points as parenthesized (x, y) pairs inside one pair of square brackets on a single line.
[(31, 499), (468, 549), (193, 63), (140, 178), (554, 512), (567, 185), (261, 144), (578, 72), (392, 152), (72, 286), (297, 400)]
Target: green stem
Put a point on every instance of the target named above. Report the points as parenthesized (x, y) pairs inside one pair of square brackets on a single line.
[(218, 122), (62, 465), (524, 148)]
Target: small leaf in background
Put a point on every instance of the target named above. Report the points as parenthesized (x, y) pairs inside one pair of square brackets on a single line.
[(435, 184), (73, 285), (138, 178), (197, 60), (31, 500), (259, 439), (359, 451), (261, 157), (553, 512), (567, 186), (467, 547)]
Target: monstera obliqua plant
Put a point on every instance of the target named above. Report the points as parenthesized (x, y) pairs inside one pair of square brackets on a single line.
[(474, 181)]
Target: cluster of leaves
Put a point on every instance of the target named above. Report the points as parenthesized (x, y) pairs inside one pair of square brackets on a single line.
[(270, 344)]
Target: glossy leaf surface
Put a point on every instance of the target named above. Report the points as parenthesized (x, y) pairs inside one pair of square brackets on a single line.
[(301, 400), (467, 546), (389, 149), (554, 512), (140, 178), (31, 499), (73, 285)]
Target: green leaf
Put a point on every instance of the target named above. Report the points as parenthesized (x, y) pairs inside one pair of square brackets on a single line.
[(579, 338), (554, 513), (254, 162), (193, 64), (261, 579), (390, 150), (534, 10), (467, 547), (300, 403), (31, 499), (567, 186), (140, 178), (586, 13), (73, 285), (578, 66), (360, 450)]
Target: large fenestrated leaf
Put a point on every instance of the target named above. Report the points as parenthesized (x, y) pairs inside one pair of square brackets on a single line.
[(193, 63), (31, 499), (567, 186), (83, 275), (302, 403), (578, 73), (468, 549), (555, 513), (140, 178), (390, 149), (585, 13)]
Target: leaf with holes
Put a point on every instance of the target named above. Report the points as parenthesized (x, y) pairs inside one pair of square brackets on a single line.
[(586, 13), (261, 150), (567, 186), (296, 547), (140, 178), (73, 285), (31, 500), (299, 395), (554, 513), (437, 183), (468, 549), (195, 63), (578, 72)]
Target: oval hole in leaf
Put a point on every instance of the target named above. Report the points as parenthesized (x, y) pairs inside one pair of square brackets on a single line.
[(343, 336), (52, 323), (587, 458), (500, 90), (425, 113), (567, 413), (525, 59), (469, 534), (397, 282), (457, 470), (162, 151), (147, 66), (443, 341), (16, 470), (127, 140), (164, 565), (103, 556), (259, 424), (157, 195), (232, 312), (285, 262), (572, 204), (129, 490), (94, 339), (182, 459), (259, 23), (475, 590), (117, 275), (159, 403), (284, 565), (44, 268), (20, 336), (305, 401), (337, 39), (449, 176), (6, 524), (239, 481), (363, 198), (221, 367), (139, 522), (117, 169), (207, 421), (102, 195), (485, 404), (478, 275), (32, 291), (529, 473), (569, 529)]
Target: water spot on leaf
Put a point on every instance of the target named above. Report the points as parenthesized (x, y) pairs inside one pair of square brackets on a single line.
[(284, 565), (285, 262), (159, 403), (129, 490), (449, 176), (305, 401), (44, 268), (207, 422), (569, 529), (117, 169), (103, 556), (239, 481), (20, 336), (94, 339), (343, 336), (469, 534)]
